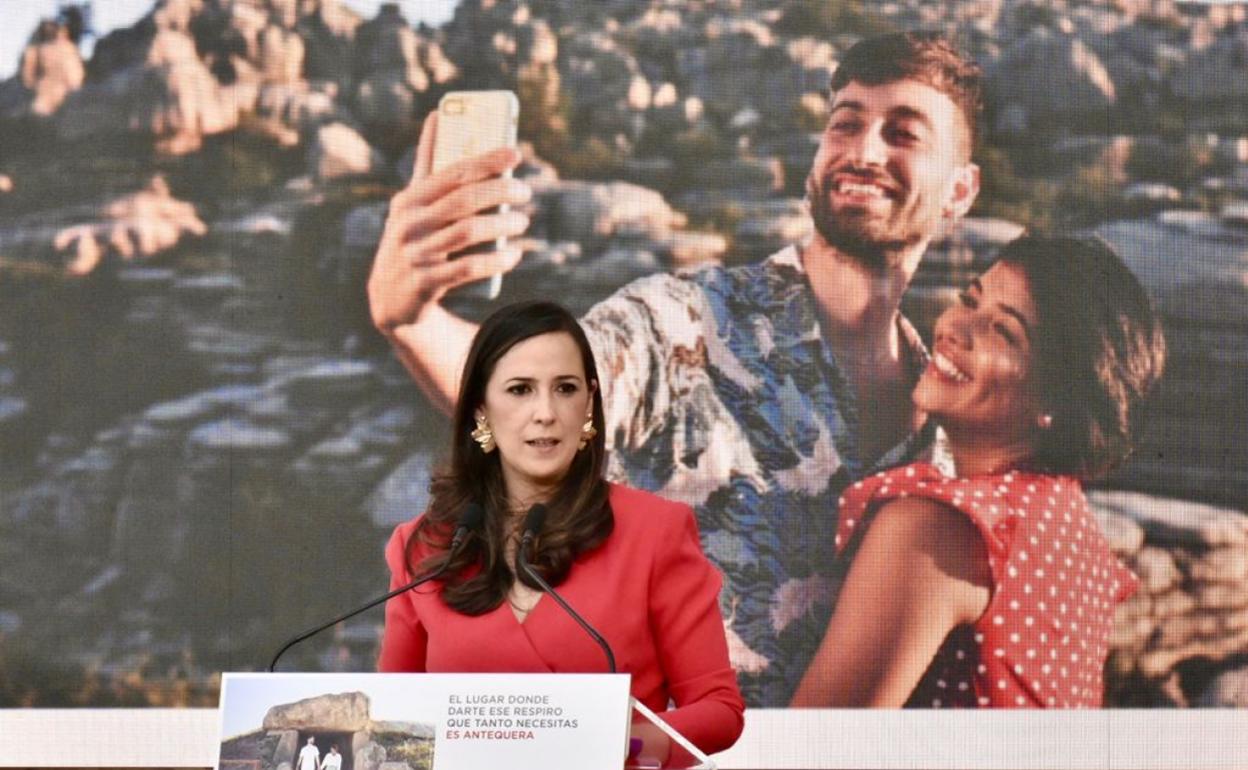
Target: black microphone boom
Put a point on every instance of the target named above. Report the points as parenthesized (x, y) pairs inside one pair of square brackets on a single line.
[(470, 520), (533, 523)]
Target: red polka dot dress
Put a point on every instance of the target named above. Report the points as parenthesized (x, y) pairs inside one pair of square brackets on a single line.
[(1043, 640)]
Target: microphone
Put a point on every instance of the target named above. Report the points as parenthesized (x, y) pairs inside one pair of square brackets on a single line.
[(533, 523), (470, 520)]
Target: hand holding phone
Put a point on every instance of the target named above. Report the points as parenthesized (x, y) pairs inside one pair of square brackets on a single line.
[(471, 123), (445, 212)]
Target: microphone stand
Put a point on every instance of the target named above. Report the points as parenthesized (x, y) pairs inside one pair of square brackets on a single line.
[(523, 560), (312, 632)]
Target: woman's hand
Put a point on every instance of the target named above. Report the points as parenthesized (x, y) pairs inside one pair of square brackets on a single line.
[(655, 749)]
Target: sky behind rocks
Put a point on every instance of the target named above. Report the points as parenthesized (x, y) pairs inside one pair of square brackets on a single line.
[(19, 17)]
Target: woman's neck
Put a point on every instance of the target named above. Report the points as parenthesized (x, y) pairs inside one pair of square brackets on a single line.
[(976, 458), (523, 493), (520, 502), (519, 505)]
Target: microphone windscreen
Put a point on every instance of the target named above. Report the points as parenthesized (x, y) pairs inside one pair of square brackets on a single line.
[(534, 520), (472, 517)]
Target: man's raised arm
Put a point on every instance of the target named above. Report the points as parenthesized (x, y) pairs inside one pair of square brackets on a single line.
[(436, 215)]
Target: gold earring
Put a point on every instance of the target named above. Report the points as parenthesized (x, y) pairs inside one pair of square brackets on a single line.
[(588, 431), (483, 435)]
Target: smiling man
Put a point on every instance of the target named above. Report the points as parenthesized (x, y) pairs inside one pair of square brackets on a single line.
[(755, 393)]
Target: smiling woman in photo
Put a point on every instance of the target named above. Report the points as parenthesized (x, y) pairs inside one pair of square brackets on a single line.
[(995, 587)]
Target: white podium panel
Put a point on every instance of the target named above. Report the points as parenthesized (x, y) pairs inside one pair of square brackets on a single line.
[(426, 721), (1160, 739)]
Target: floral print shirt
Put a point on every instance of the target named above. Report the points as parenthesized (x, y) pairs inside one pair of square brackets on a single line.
[(720, 392)]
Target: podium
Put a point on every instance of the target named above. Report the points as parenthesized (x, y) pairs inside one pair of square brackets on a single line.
[(443, 722)]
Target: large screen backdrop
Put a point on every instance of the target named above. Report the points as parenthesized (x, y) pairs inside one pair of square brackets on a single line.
[(204, 444)]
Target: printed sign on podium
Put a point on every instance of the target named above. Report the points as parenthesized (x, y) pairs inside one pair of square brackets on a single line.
[(424, 721)]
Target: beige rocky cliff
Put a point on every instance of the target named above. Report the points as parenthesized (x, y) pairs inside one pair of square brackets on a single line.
[(51, 69)]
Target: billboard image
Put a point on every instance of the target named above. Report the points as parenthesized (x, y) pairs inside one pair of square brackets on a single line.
[(206, 441)]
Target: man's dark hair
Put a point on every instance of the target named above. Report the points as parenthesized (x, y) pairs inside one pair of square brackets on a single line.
[(926, 57), (1099, 350)]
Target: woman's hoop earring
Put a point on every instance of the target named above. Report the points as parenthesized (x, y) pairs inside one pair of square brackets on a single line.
[(483, 435)]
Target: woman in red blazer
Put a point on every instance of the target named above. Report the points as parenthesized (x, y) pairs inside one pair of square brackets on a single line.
[(526, 430)]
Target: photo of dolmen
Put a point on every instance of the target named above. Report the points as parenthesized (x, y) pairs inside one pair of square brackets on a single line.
[(329, 732)]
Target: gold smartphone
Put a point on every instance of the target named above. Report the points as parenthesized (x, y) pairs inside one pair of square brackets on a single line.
[(471, 123)]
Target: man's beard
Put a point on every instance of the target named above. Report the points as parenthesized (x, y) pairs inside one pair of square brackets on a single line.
[(870, 241)]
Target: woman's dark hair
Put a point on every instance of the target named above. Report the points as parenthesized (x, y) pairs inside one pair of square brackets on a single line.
[(1099, 350), (579, 518)]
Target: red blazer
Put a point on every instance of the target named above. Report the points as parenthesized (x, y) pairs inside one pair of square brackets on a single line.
[(648, 589)]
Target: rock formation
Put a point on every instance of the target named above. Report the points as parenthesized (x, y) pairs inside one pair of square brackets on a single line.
[(341, 719), (169, 95), (345, 712), (395, 68), (139, 224), (1077, 84), (1191, 612), (51, 69)]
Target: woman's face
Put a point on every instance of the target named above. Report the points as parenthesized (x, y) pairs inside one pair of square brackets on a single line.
[(980, 380), (536, 401)]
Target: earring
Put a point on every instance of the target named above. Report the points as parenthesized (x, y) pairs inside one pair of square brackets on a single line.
[(1045, 421), (588, 431), (483, 435)]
